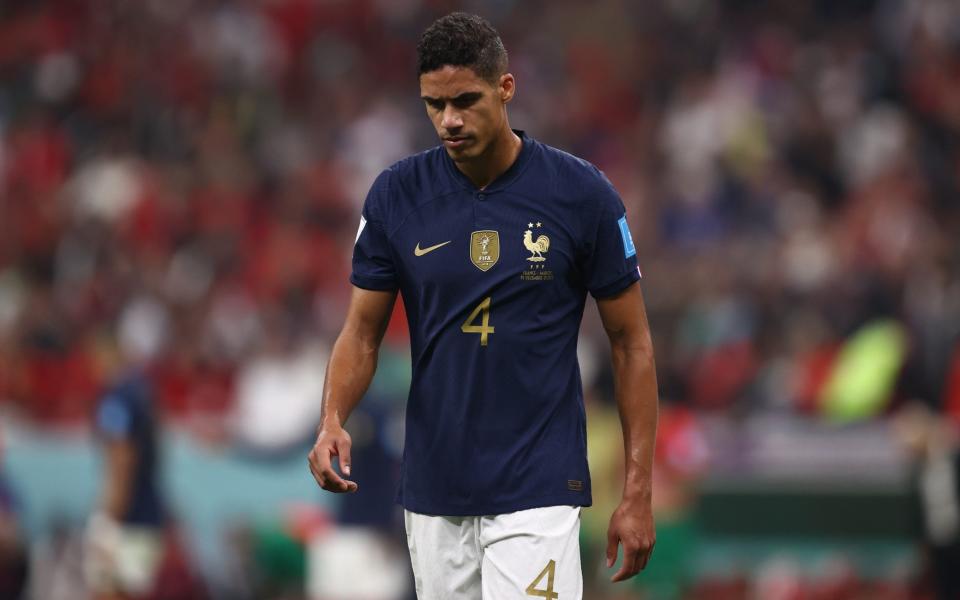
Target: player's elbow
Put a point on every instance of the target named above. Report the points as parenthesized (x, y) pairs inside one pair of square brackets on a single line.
[(633, 351)]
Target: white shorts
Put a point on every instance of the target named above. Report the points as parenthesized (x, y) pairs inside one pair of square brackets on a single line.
[(527, 554), (121, 558)]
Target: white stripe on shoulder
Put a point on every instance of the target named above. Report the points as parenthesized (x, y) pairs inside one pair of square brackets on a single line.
[(363, 223)]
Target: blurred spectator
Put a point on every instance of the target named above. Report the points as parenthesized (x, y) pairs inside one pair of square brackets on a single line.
[(57, 564), (13, 550), (277, 396), (353, 563), (370, 531), (932, 442), (212, 157)]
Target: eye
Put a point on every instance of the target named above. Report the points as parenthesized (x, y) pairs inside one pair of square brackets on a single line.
[(465, 101), (434, 104)]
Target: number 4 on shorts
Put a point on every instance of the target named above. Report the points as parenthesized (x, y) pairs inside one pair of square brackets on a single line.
[(548, 593)]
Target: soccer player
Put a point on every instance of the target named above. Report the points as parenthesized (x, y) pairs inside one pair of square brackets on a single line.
[(125, 536), (494, 240)]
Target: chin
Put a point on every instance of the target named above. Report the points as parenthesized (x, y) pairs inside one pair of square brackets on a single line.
[(460, 156)]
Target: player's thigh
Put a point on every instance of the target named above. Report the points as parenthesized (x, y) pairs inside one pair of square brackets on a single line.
[(445, 555), (532, 554)]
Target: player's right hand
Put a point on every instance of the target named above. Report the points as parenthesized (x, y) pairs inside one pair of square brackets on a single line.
[(331, 441)]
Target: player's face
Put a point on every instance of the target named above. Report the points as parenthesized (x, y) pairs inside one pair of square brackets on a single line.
[(468, 112)]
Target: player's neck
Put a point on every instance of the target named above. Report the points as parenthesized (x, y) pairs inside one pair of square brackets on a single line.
[(500, 157)]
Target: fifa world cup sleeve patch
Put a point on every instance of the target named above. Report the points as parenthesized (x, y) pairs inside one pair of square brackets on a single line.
[(363, 223), (628, 247)]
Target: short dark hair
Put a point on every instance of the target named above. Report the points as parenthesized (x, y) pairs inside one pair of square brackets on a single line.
[(462, 40)]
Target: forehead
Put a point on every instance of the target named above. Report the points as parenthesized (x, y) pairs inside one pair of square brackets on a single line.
[(449, 82)]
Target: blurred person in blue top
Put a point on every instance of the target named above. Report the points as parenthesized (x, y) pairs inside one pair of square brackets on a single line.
[(13, 557), (494, 240), (125, 534)]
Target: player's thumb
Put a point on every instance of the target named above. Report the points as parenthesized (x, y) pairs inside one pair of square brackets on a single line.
[(343, 452), (613, 540)]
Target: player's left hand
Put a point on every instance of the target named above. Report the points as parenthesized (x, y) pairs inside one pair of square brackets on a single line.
[(632, 527)]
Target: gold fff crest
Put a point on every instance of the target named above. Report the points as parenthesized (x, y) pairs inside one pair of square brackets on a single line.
[(484, 249)]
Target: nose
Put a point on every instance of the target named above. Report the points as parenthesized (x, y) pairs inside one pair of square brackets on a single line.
[(451, 120)]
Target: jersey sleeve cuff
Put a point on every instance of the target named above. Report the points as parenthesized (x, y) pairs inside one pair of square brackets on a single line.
[(373, 283), (617, 285)]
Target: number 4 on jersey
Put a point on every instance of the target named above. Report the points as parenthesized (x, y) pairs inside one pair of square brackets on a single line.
[(548, 593), (484, 327)]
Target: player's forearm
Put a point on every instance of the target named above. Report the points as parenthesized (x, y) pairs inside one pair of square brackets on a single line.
[(115, 500), (118, 480), (635, 383), (350, 370)]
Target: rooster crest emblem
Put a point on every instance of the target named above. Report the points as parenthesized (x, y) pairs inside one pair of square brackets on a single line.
[(536, 247)]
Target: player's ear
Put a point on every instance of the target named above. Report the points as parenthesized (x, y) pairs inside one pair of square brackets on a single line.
[(507, 86)]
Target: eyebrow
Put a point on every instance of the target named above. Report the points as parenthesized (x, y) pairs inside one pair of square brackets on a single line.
[(464, 97)]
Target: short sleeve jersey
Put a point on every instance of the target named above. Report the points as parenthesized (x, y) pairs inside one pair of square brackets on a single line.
[(125, 413), (494, 283)]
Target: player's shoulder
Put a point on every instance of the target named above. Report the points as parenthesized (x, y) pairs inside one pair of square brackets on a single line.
[(574, 176), (131, 390), (412, 180), (123, 405), (418, 173), (570, 163)]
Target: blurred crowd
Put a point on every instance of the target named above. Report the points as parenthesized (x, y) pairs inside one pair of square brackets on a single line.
[(187, 174), (180, 184)]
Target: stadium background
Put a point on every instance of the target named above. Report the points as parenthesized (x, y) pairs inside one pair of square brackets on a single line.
[(184, 178)]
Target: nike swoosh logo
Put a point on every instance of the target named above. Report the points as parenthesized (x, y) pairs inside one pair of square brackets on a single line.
[(418, 251)]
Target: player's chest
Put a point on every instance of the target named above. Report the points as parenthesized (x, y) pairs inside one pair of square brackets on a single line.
[(498, 239)]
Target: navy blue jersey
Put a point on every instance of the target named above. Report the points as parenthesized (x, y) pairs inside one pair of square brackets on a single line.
[(494, 283), (126, 414)]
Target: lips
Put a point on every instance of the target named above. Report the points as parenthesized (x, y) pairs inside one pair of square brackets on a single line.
[(455, 142)]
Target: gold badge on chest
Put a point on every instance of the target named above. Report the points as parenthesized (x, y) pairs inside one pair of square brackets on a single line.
[(484, 249)]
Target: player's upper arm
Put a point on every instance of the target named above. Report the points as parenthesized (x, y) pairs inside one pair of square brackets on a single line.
[(369, 314), (624, 318), (120, 456)]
